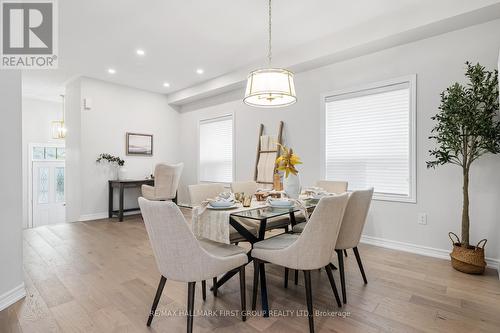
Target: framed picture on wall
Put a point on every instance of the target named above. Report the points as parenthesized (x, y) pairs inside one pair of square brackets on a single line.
[(139, 144)]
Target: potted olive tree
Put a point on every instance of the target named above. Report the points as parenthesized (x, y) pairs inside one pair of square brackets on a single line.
[(467, 127)]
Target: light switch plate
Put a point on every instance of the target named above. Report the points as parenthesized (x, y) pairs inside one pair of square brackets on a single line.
[(87, 104)]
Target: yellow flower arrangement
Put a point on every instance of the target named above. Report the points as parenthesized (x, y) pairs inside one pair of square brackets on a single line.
[(287, 161)]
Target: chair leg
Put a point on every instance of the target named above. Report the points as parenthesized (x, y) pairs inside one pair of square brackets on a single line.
[(243, 294), (286, 277), (263, 290), (156, 299), (215, 286), (360, 264), (255, 284), (340, 257), (190, 306), (307, 282), (204, 289), (333, 285), (345, 253), (296, 277), (332, 266)]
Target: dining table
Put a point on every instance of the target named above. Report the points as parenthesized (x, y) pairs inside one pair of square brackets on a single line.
[(214, 224)]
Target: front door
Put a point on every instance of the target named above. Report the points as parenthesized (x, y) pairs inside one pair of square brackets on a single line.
[(48, 193)]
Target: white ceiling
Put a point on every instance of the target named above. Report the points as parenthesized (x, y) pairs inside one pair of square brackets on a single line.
[(220, 36)]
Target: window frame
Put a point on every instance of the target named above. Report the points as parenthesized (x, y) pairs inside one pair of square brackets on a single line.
[(211, 119), (411, 80)]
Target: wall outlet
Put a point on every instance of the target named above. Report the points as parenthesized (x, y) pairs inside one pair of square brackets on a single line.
[(422, 218)]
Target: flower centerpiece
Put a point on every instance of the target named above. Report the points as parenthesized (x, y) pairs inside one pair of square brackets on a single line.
[(114, 161), (286, 163)]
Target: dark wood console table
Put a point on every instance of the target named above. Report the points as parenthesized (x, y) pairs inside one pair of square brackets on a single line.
[(122, 185)]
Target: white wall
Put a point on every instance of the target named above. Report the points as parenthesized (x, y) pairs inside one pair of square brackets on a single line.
[(11, 257), (438, 62), (73, 188), (37, 124), (115, 110)]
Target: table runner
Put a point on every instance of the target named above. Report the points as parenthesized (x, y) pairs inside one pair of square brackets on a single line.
[(214, 224)]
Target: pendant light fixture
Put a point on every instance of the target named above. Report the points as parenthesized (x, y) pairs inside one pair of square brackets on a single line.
[(58, 126), (270, 87)]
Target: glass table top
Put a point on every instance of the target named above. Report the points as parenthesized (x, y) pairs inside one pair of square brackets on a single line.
[(261, 213)]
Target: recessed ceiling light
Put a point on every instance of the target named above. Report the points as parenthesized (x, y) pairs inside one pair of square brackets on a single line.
[(140, 52), (200, 71), (166, 84), (111, 71)]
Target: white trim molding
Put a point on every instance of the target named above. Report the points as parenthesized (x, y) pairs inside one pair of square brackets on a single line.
[(420, 249), (12, 296), (103, 215)]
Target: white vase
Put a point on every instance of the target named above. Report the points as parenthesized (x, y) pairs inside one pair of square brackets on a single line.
[(291, 186), (122, 173)]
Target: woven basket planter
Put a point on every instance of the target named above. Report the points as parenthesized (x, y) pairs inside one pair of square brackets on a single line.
[(468, 260)]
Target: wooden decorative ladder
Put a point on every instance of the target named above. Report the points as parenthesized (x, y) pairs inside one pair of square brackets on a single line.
[(267, 152)]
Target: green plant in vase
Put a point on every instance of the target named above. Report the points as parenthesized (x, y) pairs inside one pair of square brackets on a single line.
[(286, 163), (113, 161), (467, 127)]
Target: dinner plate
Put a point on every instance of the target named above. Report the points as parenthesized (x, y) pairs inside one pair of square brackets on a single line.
[(222, 203), (282, 206), (221, 208)]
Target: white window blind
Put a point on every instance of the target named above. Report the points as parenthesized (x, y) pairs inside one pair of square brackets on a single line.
[(368, 140), (216, 150)]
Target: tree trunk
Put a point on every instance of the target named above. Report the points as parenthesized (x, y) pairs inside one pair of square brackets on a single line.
[(465, 209)]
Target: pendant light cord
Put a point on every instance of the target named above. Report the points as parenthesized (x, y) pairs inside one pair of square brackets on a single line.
[(270, 53)]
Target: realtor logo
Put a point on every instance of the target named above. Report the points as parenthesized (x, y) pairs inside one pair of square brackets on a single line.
[(29, 34)]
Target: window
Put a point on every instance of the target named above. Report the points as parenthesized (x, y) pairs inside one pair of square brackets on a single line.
[(369, 139), (48, 153), (216, 150)]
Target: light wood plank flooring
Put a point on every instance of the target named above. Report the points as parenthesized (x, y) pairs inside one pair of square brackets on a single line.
[(100, 276)]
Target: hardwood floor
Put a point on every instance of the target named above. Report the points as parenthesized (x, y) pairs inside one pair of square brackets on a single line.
[(100, 276)]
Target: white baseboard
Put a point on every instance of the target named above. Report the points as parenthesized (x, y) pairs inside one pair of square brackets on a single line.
[(100, 216), (420, 249), (12, 296)]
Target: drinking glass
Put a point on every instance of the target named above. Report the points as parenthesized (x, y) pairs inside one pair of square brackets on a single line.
[(247, 200)]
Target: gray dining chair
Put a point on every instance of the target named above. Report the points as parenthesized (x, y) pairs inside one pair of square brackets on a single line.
[(201, 192), (247, 187), (166, 183), (333, 186), (350, 232), (181, 257), (310, 250)]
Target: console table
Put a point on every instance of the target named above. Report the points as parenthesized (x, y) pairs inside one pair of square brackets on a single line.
[(122, 185)]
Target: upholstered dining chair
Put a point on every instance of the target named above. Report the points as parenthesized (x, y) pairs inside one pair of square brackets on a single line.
[(201, 192), (310, 250), (166, 183), (181, 257), (247, 187), (332, 186), (350, 232)]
